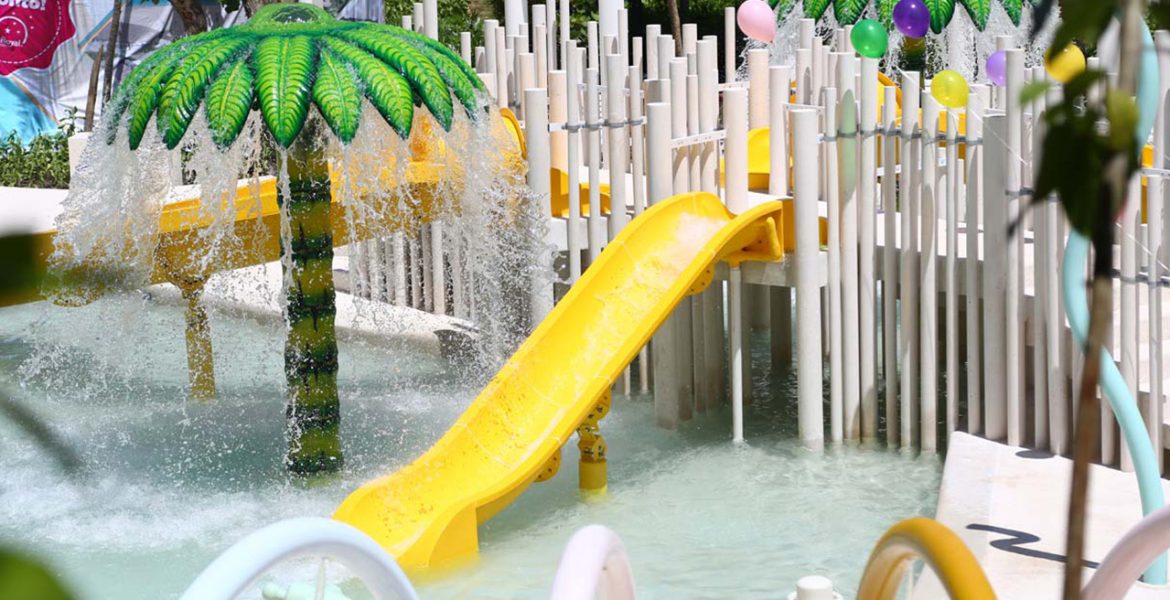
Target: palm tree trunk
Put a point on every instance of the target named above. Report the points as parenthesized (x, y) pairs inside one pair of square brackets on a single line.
[(192, 15), (675, 25), (314, 412), (112, 51)]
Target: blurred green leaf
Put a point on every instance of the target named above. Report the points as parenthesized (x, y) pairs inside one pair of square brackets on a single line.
[(22, 578)]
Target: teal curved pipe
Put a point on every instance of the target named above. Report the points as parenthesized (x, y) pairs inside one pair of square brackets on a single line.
[(1133, 428)]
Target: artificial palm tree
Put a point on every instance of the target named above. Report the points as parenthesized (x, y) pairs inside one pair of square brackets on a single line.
[(286, 58)]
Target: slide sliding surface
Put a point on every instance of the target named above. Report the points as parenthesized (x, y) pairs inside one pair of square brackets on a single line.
[(427, 513)]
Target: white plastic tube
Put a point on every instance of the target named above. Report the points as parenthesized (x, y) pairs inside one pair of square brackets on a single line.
[(594, 561), (243, 563)]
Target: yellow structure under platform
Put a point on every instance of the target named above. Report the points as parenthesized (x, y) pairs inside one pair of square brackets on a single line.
[(427, 513)]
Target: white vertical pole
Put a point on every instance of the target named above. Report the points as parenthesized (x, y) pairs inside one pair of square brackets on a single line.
[(804, 92), (513, 16), (952, 190), (573, 158), (593, 137), (928, 272), (526, 77), (806, 32), (550, 21), (565, 36), (829, 166), (536, 137), (618, 145), (1156, 230), (682, 318), (1058, 430), (659, 183), (400, 287), (418, 17), (465, 46), (653, 32), (698, 310), (623, 36), (735, 317), (810, 385), (976, 105), (735, 104), (729, 44), (665, 55), (707, 50), (637, 140), (607, 16), (758, 111), (636, 49), (847, 150), (994, 160), (489, 51), (890, 264), (408, 22), (1130, 221), (1015, 315), (908, 353), (1044, 284), (558, 113), (780, 298), (694, 153), (867, 240), (593, 46), (540, 52), (431, 19), (502, 66)]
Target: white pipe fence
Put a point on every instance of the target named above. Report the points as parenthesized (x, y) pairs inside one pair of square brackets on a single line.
[(931, 317)]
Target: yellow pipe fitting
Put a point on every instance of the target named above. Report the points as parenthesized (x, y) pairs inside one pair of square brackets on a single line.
[(594, 473), (938, 547), (200, 360)]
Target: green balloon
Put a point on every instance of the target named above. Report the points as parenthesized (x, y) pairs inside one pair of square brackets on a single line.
[(869, 38)]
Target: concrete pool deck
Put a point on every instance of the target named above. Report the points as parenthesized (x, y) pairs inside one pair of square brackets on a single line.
[(1009, 505)]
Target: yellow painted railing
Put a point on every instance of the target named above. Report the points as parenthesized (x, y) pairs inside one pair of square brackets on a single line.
[(938, 547)]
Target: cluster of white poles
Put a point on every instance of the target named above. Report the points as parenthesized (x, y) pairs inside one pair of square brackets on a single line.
[(918, 220)]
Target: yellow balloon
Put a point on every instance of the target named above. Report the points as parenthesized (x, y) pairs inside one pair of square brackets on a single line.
[(950, 89), (1063, 66)]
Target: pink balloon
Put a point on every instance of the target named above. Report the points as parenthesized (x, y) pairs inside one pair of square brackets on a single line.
[(756, 20)]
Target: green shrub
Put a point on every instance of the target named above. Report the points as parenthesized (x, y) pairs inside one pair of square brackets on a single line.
[(41, 163), (455, 16)]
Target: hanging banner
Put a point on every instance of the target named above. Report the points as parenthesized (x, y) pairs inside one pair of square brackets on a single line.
[(31, 31)]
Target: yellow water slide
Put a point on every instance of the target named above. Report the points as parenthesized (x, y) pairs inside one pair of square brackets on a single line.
[(427, 513)]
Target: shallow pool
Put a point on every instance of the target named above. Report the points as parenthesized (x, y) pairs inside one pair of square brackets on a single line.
[(169, 484)]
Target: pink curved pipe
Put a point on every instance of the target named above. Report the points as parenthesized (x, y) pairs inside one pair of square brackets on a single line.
[(1130, 557), (594, 559)]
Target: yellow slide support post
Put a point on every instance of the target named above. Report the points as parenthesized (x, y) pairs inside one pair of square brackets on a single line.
[(935, 544), (427, 513)]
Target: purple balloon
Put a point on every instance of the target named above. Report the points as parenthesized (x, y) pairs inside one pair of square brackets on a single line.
[(912, 18), (997, 68)]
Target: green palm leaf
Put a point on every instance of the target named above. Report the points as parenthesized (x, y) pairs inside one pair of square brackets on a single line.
[(284, 74), (145, 96), (229, 100), (885, 10), (337, 95), (941, 12), (979, 10), (815, 9), (421, 41), (116, 107), (453, 73), (184, 90), (1014, 9), (422, 75), (848, 11), (386, 89)]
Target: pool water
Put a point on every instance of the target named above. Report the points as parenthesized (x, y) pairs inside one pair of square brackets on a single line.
[(169, 484)]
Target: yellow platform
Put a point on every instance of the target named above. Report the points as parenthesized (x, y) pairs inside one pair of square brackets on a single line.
[(427, 513)]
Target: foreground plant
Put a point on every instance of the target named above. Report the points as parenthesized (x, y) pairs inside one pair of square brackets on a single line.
[(288, 57)]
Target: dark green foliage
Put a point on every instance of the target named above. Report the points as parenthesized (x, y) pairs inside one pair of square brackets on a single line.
[(337, 95), (229, 100), (284, 76), (422, 75), (848, 11), (941, 12), (455, 16), (815, 9), (384, 87), (979, 11), (1014, 9), (41, 163)]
